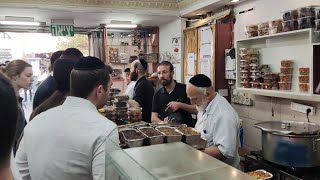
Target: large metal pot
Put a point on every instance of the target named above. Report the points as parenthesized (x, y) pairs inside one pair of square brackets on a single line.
[(293, 144)]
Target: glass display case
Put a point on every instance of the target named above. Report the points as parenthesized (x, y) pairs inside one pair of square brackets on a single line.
[(166, 161)]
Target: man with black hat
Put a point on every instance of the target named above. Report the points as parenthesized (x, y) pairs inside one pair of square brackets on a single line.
[(143, 90), (218, 122), (68, 142)]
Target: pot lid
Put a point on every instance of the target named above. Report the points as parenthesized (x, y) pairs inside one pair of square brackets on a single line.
[(289, 127)]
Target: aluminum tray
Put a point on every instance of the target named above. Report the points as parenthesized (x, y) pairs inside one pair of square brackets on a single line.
[(201, 144), (134, 142), (171, 138), (191, 139), (151, 140)]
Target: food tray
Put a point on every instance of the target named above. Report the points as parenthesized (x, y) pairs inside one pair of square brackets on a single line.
[(306, 22), (304, 79), (306, 12), (248, 51), (290, 15), (190, 135), (170, 138), (154, 136), (135, 141), (290, 25), (201, 144), (304, 71), (260, 174)]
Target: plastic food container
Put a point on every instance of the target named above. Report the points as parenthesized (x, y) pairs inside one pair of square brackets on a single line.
[(249, 57), (245, 74), (273, 76), (304, 87), (263, 32), (275, 29), (256, 80), (317, 24), (306, 22), (306, 12), (304, 79), (285, 77), (251, 28), (264, 25), (245, 80), (290, 15), (252, 34), (285, 85), (275, 23), (317, 11), (286, 63), (290, 25), (267, 80), (286, 70), (248, 51), (255, 85), (266, 86), (244, 63), (245, 85), (304, 71)]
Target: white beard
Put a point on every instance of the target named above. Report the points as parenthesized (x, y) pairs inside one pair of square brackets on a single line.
[(203, 106)]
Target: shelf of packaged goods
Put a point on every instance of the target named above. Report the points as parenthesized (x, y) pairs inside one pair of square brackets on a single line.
[(280, 94), (277, 35)]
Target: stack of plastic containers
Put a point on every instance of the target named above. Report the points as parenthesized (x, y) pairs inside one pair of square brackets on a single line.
[(248, 66), (304, 79), (286, 75)]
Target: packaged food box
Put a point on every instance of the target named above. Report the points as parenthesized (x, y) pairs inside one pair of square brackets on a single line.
[(263, 25), (306, 12), (304, 71), (304, 87), (285, 85), (306, 22), (285, 77), (251, 28), (286, 63), (304, 79), (317, 24), (290, 15), (263, 32), (251, 34), (290, 25), (286, 70), (273, 76), (248, 51)]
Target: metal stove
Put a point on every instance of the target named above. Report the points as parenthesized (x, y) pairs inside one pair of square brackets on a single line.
[(254, 161)]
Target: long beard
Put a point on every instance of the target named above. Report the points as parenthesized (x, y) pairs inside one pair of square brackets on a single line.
[(203, 106)]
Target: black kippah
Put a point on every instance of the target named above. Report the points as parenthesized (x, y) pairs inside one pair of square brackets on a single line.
[(144, 64), (200, 80), (89, 63)]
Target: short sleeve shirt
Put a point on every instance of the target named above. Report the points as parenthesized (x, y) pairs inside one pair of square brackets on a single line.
[(162, 98)]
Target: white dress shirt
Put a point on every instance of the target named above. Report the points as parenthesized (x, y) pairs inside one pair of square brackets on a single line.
[(66, 143), (130, 89), (219, 124)]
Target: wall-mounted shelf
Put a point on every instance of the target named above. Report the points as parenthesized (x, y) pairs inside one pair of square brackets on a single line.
[(295, 45)]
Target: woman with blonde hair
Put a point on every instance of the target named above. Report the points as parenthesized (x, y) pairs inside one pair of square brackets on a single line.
[(19, 72)]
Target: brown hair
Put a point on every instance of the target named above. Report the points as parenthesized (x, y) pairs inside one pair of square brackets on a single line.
[(15, 68)]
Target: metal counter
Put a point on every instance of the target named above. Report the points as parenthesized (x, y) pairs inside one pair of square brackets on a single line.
[(172, 161)]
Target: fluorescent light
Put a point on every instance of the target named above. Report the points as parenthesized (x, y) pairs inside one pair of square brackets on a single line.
[(234, 1), (121, 25), (20, 23)]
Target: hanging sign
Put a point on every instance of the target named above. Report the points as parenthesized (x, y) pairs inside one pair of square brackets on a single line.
[(62, 30)]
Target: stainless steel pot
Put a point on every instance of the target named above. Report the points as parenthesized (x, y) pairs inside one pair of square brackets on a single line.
[(290, 144)]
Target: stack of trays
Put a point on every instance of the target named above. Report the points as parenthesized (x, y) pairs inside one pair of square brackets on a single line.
[(121, 108), (304, 79)]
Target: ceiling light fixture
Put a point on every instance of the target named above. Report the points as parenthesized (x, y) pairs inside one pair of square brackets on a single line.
[(121, 25), (234, 1), (20, 23)]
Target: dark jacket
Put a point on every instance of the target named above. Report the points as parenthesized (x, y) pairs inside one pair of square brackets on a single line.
[(44, 91), (143, 94), (21, 123)]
